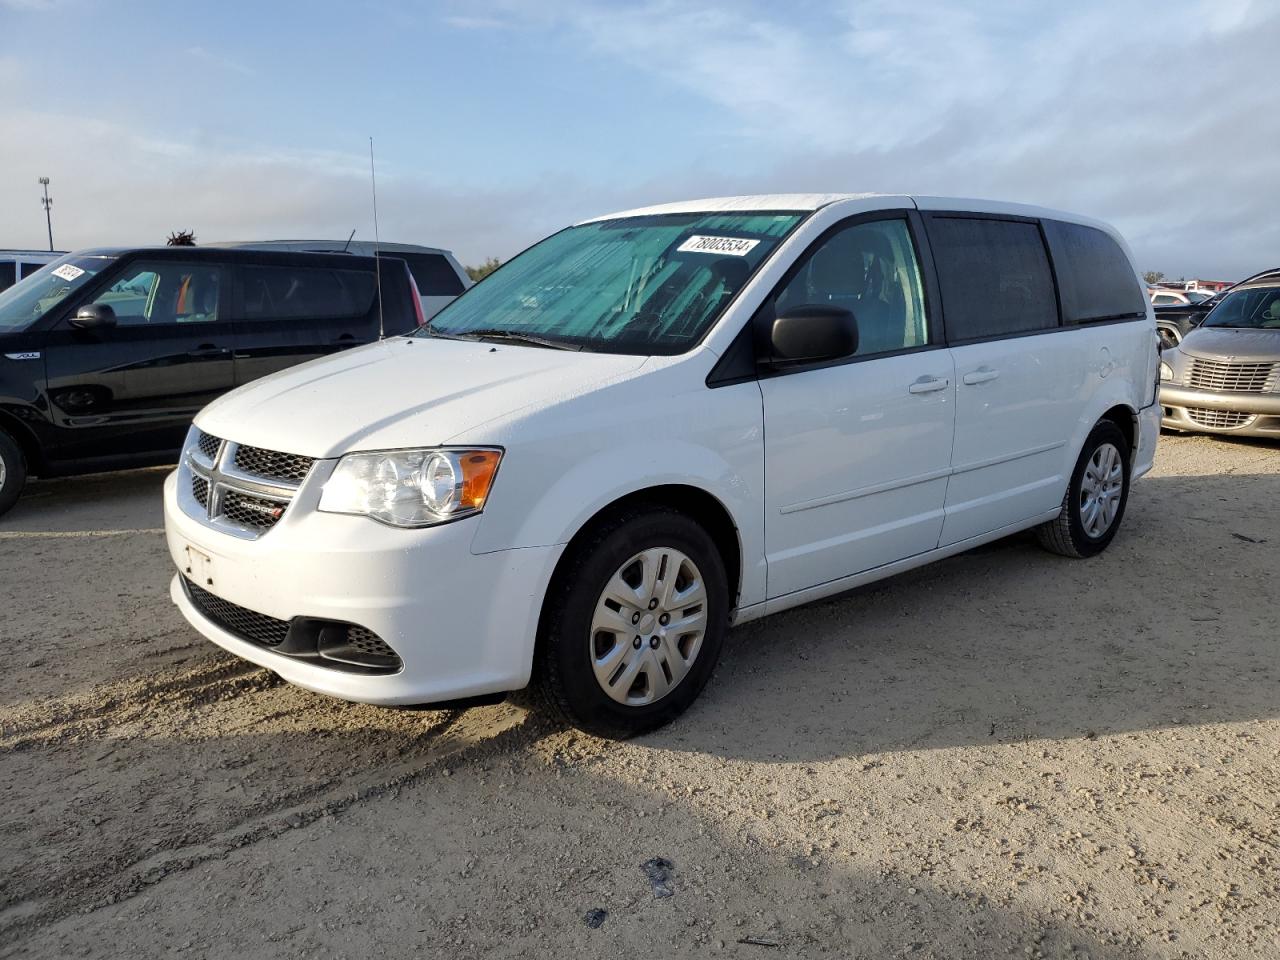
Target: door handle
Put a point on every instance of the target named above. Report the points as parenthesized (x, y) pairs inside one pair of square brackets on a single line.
[(929, 385), (207, 350), (981, 375)]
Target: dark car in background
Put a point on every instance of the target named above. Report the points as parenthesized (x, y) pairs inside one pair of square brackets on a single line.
[(1174, 322), (106, 355), (17, 265)]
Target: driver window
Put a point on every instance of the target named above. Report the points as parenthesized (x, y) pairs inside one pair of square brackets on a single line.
[(871, 270), (164, 292)]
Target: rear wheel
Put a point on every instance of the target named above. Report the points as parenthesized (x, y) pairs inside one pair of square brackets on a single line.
[(13, 472), (634, 624), (1096, 497)]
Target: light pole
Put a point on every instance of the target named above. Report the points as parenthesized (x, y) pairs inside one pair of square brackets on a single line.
[(48, 217)]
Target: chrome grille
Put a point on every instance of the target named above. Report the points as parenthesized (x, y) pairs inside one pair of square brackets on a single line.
[(1229, 376), (1220, 419), (242, 490), (200, 490), (208, 445), (250, 511), (273, 464)]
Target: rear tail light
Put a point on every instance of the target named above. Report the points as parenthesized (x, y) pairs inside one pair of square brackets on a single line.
[(417, 299)]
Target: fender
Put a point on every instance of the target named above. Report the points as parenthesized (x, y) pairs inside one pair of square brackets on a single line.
[(565, 464)]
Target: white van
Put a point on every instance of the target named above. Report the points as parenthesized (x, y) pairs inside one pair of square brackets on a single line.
[(656, 424)]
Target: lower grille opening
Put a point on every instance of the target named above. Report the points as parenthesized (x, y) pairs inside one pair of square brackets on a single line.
[(1221, 419), (328, 643), (255, 627)]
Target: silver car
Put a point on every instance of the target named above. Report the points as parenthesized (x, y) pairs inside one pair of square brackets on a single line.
[(1224, 377)]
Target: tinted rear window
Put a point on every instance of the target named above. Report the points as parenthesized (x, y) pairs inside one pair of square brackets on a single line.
[(316, 293), (8, 274), (431, 272), (29, 268), (1095, 277), (994, 275)]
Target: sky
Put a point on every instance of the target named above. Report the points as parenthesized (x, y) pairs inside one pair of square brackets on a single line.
[(496, 123)]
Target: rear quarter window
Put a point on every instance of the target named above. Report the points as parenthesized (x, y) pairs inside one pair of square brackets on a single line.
[(316, 293), (29, 268), (432, 273), (1095, 277), (8, 274), (994, 277)]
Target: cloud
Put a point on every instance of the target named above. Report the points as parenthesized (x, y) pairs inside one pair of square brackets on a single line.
[(1171, 137)]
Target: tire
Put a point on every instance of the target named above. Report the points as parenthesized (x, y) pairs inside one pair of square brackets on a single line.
[(648, 656), (13, 472), (1080, 530)]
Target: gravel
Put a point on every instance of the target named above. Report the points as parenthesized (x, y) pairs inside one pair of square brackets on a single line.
[(1006, 754)]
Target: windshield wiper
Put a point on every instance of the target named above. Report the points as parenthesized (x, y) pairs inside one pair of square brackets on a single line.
[(512, 336)]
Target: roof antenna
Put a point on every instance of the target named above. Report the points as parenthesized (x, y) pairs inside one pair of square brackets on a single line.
[(377, 260), (348, 243)]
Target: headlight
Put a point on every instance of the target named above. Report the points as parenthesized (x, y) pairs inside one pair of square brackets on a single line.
[(411, 488), (1166, 371)]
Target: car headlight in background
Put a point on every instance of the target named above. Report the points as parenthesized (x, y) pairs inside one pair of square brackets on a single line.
[(1166, 371), (411, 488)]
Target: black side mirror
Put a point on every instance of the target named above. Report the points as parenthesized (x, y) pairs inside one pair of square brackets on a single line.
[(94, 316), (813, 333)]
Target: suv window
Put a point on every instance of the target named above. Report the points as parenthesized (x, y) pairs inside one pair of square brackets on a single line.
[(8, 274), (1164, 299), (312, 293), (29, 268), (431, 272), (1094, 275), (870, 269), (152, 292), (994, 275)]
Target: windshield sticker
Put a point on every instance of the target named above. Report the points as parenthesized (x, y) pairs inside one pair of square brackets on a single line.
[(730, 246), (68, 271)]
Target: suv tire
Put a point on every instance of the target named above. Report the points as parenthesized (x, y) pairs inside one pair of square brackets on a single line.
[(1096, 497), (658, 641), (13, 472)]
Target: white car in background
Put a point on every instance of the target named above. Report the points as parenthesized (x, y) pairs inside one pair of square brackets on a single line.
[(439, 276), (653, 425)]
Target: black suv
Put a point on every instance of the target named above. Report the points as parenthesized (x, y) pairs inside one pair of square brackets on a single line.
[(106, 355)]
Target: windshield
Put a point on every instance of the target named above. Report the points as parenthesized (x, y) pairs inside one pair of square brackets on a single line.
[(28, 300), (640, 285), (1256, 308)]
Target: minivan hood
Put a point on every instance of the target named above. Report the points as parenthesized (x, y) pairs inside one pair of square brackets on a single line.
[(1232, 343), (402, 392)]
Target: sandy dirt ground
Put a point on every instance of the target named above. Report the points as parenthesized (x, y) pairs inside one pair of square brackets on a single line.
[(1006, 754)]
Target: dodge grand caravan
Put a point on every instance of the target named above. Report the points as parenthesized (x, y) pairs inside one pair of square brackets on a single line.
[(655, 424)]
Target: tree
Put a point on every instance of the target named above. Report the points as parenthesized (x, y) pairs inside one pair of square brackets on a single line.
[(479, 273), (1153, 276), (182, 238)]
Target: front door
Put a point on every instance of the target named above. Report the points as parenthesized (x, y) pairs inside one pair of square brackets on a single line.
[(133, 389), (857, 453)]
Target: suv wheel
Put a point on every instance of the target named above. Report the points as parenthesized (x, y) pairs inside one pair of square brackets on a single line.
[(13, 472), (634, 624), (1096, 497)]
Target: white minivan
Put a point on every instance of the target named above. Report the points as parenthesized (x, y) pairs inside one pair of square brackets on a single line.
[(659, 423)]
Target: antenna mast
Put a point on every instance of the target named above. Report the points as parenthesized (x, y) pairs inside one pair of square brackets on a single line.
[(377, 260)]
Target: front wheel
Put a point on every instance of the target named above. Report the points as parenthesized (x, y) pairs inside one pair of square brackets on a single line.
[(1096, 497), (634, 624), (13, 472)]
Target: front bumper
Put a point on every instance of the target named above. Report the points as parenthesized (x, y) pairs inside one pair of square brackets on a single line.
[(1211, 411), (463, 624)]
